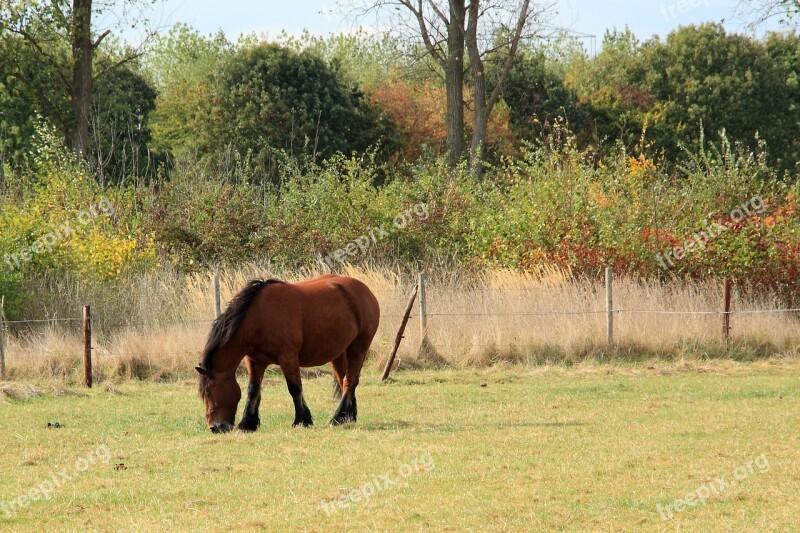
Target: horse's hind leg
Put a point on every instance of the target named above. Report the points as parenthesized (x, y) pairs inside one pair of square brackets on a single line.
[(255, 371), (348, 410), (291, 371)]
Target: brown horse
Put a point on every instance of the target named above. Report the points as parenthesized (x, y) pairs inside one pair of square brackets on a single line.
[(328, 319)]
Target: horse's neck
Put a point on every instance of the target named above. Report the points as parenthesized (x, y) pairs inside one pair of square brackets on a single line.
[(226, 361)]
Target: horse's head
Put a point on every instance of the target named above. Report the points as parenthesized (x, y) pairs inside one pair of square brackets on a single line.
[(221, 396)]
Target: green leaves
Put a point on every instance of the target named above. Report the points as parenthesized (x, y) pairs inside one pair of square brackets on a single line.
[(662, 96), (271, 98)]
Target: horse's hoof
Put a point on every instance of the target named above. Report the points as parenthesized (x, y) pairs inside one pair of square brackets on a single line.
[(304, 423), (248, 426)]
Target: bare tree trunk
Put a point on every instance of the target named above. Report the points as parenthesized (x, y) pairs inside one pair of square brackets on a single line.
[(457, 26), (484, 104), (454, 82), (480, 117), (82, 51)]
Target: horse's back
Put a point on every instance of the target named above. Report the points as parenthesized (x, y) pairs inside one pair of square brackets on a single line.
[(354, 294)]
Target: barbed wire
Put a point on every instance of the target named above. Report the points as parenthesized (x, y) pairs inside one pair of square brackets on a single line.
[(42, 320), (521, 313)]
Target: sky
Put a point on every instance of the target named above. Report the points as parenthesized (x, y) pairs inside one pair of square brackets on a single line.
[(593, 17)]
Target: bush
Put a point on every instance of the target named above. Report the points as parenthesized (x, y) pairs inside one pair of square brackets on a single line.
[(64, 222)]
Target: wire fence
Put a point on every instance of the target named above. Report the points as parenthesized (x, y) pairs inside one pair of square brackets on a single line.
[(432, 322)]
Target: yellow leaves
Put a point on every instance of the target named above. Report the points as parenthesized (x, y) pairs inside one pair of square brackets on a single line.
[(640, 166), (600, 197), (105, 256), (66, 222), (791, 204)]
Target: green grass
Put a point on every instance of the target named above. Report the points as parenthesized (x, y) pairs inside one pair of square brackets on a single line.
[(596, 447)]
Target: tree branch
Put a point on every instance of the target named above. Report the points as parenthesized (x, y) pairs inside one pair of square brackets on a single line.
[(100, 39), (423, 28), (524, 14), (116, 64), (438, 11)]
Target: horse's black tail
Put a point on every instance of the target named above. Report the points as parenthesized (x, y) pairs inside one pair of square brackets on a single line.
[(337, 390), (227, 324)]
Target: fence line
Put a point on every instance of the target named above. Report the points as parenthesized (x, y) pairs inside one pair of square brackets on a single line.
[(100, 322), (42, 320), (423, 315)]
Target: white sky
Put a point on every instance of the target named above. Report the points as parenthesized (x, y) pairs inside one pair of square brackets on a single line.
[(269, 17)]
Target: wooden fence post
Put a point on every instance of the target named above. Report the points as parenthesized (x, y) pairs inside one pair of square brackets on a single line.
[(400, 332), (2, 339), (726, 311), (87, 346), (610, 305), (217, 296), (423, 305)]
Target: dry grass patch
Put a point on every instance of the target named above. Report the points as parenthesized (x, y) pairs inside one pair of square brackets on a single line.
[(18, 391), (154, 327)]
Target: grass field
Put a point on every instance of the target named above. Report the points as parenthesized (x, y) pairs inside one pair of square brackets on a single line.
[(593, 447)]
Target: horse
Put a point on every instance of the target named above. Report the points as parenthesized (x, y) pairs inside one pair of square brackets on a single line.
[(327, 319)]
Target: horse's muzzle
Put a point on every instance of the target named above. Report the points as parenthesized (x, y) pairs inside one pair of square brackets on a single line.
[(221, 427)]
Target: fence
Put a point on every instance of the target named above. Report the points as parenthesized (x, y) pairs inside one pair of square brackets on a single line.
[(725, 313), (463, 324)]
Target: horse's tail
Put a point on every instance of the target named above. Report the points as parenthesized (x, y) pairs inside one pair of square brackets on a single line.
[(336, 389), (227, 324)]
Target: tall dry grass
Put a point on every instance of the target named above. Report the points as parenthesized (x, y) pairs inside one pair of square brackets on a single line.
[(154, 326)]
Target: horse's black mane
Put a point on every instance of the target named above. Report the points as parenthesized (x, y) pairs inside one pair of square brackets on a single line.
[(226, 325)]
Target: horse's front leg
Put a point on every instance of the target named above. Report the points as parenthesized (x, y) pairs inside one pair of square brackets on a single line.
[(255, 372)]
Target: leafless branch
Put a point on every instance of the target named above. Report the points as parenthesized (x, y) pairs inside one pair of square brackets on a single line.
[(759, 12), (418, 13), (100, 38), (119, 63), (524, 15)]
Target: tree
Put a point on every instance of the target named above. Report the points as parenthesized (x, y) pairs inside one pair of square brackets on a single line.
[(442, 31), (29, 88), (460, 33), (536, 96), (613, 91), (668, 95), (704, 77), (495, 31), (269, 99), (182, 65), (51, 29), (119, 131)]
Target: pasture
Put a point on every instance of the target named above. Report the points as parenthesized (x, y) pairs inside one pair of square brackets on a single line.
[(592, 447)]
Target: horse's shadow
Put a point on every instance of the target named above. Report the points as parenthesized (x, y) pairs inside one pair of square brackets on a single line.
[(530, 424), (397, 425), (392, 425)]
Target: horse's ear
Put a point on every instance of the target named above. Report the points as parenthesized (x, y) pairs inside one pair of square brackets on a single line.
[(202, 371)]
